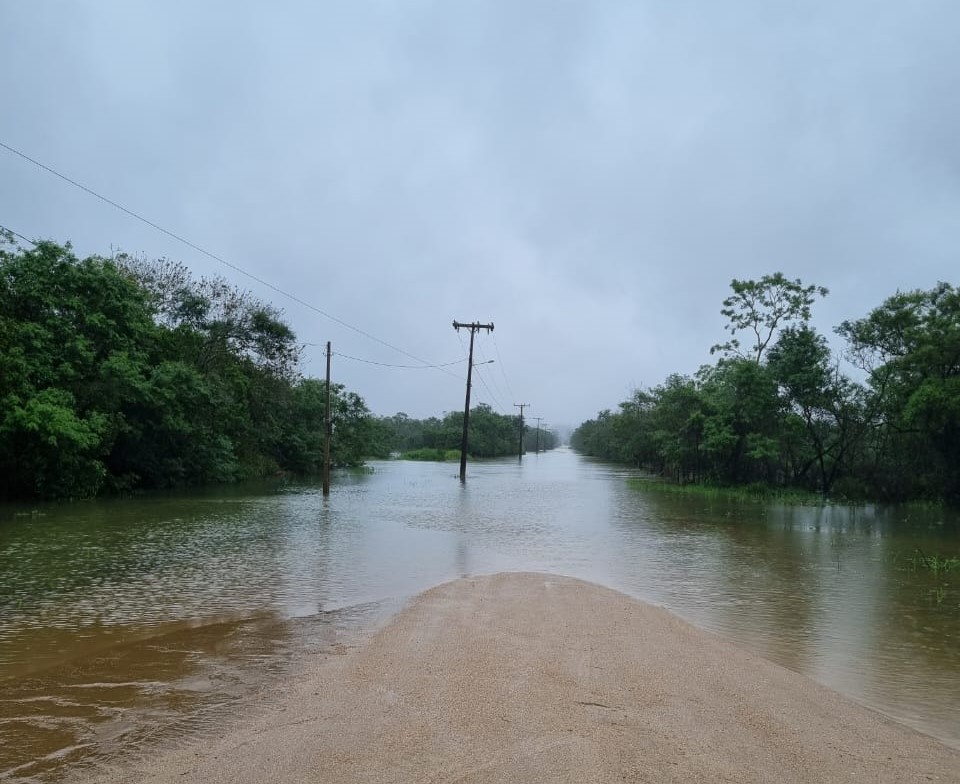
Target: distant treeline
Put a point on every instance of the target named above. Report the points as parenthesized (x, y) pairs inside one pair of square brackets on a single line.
[(119, 374), (781, 412), (491, 434)]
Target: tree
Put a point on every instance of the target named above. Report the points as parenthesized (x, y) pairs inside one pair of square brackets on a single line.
[(762, 307), (491, 434), (50, 450), (119, 374), (302, 445), (784, 414), (545, 440), (910, 346), (66, 326), (677, 425), (741, 421), (828, 404), (595, 437)]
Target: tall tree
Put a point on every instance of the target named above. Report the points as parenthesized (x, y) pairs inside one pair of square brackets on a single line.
[(761, 307)]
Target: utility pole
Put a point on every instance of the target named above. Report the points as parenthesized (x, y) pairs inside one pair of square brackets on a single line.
[(521, 406), (539, 420), (329, 432), (473, 327)]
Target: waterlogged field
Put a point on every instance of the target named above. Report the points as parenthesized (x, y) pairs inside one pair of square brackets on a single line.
[(126, 624)]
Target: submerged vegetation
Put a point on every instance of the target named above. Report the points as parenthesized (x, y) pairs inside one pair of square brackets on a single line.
[(933, 567), (439, 455), (935, 564), (752, 492), (780, 412)]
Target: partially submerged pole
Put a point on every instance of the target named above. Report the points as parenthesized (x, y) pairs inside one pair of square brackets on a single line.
[(473, 327), (521, 406), (329, 432)]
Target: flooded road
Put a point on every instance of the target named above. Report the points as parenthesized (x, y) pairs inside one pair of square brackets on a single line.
[(126, 623)]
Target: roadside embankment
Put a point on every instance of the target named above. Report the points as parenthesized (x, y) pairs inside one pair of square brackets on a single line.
[(532, 677)]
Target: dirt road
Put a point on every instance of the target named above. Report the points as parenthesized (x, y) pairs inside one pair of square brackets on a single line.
[(536, 678)]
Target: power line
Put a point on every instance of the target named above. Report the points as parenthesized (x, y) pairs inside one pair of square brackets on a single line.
[(213, 256), (489, 391), (495, 391), (384, 364), (503, 368), (17, 234), (539, 420), (493, 397)]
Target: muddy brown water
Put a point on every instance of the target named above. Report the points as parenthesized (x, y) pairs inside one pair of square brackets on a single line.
[(129, 624)]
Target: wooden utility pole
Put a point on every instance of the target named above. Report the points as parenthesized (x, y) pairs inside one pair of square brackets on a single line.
[(521, 406), (473, 327), (329, 432), (539, 420)]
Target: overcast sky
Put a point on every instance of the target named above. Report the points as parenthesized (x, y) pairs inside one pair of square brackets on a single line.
[(589, 176)]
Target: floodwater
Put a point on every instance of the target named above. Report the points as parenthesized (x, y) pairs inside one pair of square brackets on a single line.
[(128, 624)]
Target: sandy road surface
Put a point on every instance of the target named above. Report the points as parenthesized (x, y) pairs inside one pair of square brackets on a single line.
[(536, 678)]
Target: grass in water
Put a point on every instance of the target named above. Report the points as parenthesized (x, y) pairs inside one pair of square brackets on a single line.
[(751, 492), (935, 564), (438, 455)]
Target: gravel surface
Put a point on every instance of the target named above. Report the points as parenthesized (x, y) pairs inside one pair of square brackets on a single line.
[(537, 678)]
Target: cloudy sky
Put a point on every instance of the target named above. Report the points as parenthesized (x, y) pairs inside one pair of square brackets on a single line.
[(589, 176)]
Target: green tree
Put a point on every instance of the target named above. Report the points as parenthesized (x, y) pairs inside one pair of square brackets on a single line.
[(761, 307), (302, 447), (678, 420), (546, 440), (910, 347), (829, 406), (119, 374), (595, 437), (741, 421), (66, 327), (49, 449)]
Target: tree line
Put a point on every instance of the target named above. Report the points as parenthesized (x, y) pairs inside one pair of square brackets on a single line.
[(119, 374), (780, 411), (491, 434)]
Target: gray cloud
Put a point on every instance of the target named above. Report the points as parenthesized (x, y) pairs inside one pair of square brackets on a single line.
[(589, 176)]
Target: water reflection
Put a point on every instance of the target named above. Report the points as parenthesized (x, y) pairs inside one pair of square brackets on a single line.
[(180, 598)]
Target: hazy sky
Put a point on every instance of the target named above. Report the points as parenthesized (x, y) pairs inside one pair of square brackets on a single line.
[(589, 176)]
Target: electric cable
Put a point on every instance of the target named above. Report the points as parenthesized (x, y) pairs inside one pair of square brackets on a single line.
[(503, 369), (214, 256), (489, 392), (495, 391), (17, 234), (384, 364)]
